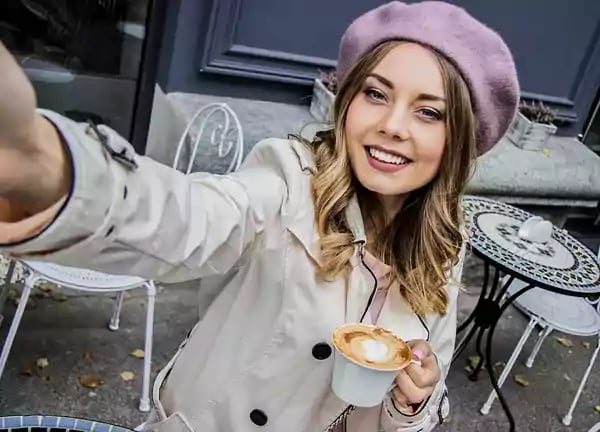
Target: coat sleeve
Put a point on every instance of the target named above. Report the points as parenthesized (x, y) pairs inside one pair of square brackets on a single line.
[(127, 214), (443, 336)]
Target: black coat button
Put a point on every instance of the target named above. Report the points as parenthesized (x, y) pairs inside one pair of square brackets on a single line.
[(321, 351), (258, 417)]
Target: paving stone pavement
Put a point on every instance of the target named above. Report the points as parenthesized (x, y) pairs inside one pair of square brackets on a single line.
[(63, 331)]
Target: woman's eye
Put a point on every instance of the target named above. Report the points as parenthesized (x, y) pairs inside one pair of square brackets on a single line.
[(374, 94), (430, 114)]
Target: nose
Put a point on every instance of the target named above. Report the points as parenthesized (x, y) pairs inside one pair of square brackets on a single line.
[(395, 123)]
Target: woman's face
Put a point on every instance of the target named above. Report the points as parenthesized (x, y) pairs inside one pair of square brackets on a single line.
[(395, 126)]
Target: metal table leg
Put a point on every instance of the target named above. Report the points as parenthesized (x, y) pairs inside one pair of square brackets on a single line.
[(488, 348)]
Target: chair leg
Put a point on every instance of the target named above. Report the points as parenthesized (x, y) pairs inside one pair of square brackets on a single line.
[(145, 398), (114, 321), (568, 417), (7, 284), (543, 335), (14, 325), (485, 409)]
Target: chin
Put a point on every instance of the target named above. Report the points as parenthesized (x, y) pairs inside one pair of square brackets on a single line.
[(382, 186)]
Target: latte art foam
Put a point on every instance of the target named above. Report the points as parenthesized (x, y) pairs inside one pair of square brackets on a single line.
[(372, 346), (374, 350)]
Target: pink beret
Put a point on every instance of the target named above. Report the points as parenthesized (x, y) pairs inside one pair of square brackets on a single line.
[(479, 53)]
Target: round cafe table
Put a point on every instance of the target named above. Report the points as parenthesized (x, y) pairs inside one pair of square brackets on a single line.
[(562, 265), (48, 423)]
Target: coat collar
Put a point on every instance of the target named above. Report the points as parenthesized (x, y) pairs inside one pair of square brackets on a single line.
[(307, 232)]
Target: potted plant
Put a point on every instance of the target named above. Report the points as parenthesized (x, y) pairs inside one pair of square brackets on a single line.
[(532, 126), (324, 90)]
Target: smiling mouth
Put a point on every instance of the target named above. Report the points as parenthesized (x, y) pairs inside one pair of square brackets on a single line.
[(386, 157)]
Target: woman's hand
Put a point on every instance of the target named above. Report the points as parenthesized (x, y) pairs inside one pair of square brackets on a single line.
[(415, 383), (34, 169)]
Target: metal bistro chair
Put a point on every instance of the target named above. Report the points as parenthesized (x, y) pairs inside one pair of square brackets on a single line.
[(225, 136), (571, 315), (93, 282)]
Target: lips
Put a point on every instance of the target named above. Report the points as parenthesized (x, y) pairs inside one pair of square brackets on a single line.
[(386, 162), (387, 157)]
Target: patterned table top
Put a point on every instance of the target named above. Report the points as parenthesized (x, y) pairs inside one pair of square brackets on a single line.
[(56, 424), (563, 264)]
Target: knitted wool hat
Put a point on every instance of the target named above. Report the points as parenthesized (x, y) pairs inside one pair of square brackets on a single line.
[(479, 53)]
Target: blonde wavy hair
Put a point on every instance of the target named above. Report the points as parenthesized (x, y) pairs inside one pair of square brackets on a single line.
[(424, 239)]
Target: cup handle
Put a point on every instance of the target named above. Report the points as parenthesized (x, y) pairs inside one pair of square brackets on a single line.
[(415, 360)]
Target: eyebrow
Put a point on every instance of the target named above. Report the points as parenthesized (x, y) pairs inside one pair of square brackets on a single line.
[(422, 96)]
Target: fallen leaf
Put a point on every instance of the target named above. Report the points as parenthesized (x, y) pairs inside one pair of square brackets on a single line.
[(597, 408), (565, 342), (127, 376), (138, 354), (58, 297), (499, 364), (47, 287), (13, 294), (126, 296), (586, 345), (521, 380), (473, 361), (90, 381), (87, 355), (40, 294), (42, 362), (547, 152)]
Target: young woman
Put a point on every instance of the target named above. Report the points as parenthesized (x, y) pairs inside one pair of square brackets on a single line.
[(361, 224)]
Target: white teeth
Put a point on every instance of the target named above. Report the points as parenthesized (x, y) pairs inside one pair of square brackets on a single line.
[(387, 157)]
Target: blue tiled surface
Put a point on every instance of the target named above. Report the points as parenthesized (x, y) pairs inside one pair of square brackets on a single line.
[(50, 421), (58, 422), (31, 420), (85, 425), (12, 422), (101, 427), (67, 423)]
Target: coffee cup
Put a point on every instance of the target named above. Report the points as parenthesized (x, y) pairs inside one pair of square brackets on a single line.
[(367, 360)]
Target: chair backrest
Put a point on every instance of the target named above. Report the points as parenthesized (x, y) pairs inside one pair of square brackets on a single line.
[(225, 141)]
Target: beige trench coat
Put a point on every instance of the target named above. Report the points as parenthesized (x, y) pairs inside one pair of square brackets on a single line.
[(260, 358)]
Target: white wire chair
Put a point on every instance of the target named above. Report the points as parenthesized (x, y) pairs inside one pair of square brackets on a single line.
[(551, 311), (225, 136), (93, 282)]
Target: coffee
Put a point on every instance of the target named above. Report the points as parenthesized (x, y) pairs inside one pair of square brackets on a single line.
[(372, 346)]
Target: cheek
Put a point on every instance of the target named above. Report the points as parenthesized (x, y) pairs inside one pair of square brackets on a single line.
[(432, 152), (353, 117)]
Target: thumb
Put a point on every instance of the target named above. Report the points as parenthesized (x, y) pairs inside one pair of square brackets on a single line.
[(420, 349)]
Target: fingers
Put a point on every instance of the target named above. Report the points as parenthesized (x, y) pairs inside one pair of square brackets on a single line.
[(426, 374), (416, 382), (420, 348), (407, 392)]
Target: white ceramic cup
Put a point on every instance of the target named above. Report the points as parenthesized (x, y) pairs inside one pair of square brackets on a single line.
[(359, 384)]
